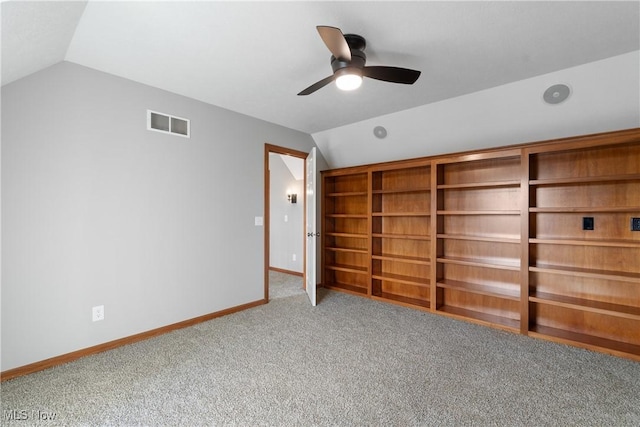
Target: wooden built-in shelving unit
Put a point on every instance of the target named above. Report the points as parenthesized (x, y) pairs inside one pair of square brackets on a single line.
[(496, 237), (477, 273), (584, 285), (346, 237), (400, 234)]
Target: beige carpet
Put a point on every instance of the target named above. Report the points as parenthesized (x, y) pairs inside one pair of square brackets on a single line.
[(282, 285), (347, 362)]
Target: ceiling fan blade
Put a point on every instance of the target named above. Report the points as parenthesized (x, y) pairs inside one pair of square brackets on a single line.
[(317, 85), (391, 74), (335, 41)]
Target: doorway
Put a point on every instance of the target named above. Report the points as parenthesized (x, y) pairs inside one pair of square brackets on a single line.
[(284, 243)]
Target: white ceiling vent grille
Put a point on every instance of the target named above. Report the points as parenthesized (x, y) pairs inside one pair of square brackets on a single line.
[(166, 123)]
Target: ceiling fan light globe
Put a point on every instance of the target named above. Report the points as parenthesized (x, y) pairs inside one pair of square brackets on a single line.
[(348, 81)]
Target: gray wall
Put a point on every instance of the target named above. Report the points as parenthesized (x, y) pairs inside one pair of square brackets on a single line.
[(98, 210), (286, 237)]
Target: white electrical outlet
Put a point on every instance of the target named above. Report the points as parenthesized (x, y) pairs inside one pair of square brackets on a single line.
[(293, 257), (97, 313)]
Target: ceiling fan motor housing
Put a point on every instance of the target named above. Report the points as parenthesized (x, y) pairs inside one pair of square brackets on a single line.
[(355, 41), (358, 59), (357, 44)]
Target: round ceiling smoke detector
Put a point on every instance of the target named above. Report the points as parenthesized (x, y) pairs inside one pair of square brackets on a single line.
[(556, 94), (380, 132)]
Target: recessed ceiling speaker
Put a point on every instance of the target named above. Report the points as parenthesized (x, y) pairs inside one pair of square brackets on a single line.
[(556, 94), (380, 132)]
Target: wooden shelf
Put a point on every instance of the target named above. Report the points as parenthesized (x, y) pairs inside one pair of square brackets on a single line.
[(350, 250), (586, 305), (345, 287), (348, 268), (348, 194), (356, 235), (483, 318), (480, 289), (401, 214), (402, 190), (403, 258), (587, 272), (491, 184), (349, 216), (409, 280), (586, 341), (479, 238), (586, 179), (475, 263), (588, 242), (403, 300), (493, 212), (401, 236), (602, 209)]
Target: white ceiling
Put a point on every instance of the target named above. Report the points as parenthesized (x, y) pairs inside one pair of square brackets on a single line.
[(295, 166), (254, 57)]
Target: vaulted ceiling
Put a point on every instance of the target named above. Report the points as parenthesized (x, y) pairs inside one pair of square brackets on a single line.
[(254, 57)]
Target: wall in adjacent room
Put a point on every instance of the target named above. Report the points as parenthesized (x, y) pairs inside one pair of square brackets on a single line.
[(97, 210), (287, 219)]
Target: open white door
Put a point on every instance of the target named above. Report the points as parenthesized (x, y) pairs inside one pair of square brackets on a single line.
[(310, 215)]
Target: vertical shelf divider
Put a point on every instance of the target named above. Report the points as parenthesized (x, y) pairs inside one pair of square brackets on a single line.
[(436, 297), (524, 242), (369, 230)]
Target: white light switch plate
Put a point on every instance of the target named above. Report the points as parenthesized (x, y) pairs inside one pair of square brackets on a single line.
[(259, 221)]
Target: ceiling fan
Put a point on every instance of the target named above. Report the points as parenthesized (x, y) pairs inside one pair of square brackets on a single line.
[(348, 59)]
